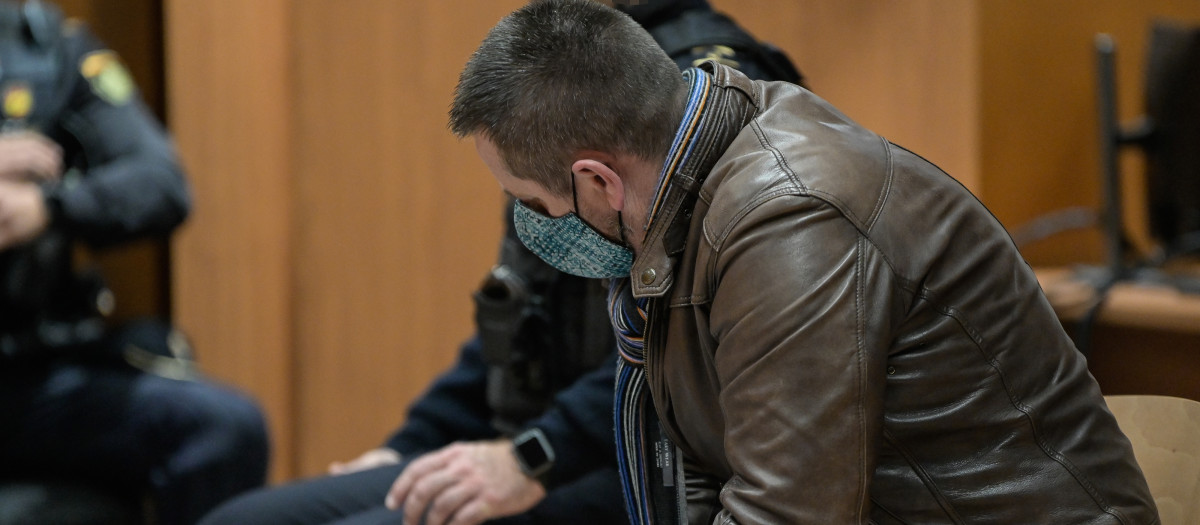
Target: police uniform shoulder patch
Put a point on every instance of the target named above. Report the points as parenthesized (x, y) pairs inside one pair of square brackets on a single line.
[(723, 54), (107, 76)]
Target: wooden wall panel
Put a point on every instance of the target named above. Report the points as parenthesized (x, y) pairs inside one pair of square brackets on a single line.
[(1040, 148), (396, 220), (340, 228), (907, 70), (228, 81)]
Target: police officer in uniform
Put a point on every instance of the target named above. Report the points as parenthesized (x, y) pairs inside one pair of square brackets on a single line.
[(84, 163), (532, 394)]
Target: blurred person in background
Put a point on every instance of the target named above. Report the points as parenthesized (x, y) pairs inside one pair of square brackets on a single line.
[(85, 165)]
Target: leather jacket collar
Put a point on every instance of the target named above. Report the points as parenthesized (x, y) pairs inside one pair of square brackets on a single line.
[(725, 104)]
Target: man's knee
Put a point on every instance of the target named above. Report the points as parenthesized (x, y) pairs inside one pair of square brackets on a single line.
[(237, 422), (210, 423), (250, 508)]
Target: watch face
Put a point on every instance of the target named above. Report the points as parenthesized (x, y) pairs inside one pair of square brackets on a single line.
[(531, 452)]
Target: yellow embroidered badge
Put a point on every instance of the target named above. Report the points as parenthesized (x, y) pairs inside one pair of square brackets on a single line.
[(108, 77), (18, 101)]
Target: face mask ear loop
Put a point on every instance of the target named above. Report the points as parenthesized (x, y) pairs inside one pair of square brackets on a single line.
[(574, 195), (621, 230), (620, 220)]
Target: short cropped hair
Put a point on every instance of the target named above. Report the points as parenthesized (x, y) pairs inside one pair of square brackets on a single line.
[(561, 76)]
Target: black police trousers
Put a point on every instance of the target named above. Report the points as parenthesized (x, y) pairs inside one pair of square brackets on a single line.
[(186, 445)]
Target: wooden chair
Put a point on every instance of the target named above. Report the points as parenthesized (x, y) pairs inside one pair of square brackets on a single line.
[(1165, 433)]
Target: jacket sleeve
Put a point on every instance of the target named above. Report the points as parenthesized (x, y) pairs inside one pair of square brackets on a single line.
[(133, 184), (579, 425), (801, 373), (454, 408)]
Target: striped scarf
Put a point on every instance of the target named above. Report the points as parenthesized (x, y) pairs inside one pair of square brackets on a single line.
[(629, 322), (646, 458)]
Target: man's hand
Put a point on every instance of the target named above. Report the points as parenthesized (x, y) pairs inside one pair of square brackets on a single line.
[(29, 156), (23, 213), (376, 457), (464, 484)]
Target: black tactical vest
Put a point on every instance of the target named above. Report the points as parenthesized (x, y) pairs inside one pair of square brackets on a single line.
[(541, 330)]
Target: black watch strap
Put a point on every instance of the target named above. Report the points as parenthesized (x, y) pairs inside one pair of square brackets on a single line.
[(534, 453)]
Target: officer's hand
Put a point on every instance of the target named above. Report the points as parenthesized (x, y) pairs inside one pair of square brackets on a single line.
[(370, 459), (23, 214), (29, 156), (464, 484)]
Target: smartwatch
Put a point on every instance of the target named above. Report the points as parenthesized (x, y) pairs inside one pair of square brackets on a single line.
[(533, 453)]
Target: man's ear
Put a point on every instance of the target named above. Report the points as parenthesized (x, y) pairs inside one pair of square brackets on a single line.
[(595, 175)]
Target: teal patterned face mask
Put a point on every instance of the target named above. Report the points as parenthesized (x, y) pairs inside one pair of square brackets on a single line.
[(571, 245)]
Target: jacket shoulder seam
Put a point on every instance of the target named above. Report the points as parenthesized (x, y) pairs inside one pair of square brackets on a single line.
[(888, 177)]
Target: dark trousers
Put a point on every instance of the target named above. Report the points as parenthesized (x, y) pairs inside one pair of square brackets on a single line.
[(357, 499), (188, 444)]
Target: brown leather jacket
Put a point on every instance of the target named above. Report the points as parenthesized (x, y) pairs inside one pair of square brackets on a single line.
[(839, 332)]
